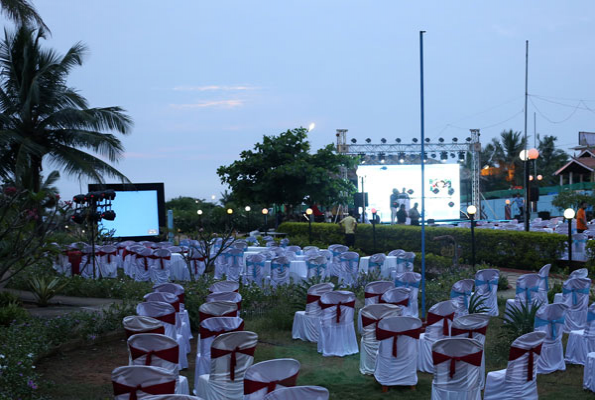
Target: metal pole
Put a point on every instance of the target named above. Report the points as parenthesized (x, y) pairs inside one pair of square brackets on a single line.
[(423, 204), (526, 163), (569, 242), (93, 243), (363, 203), (310, 228), (170, 225), (472, 240), (374, 231)]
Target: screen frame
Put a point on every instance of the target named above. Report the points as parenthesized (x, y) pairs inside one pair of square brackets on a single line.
[(138, 187)]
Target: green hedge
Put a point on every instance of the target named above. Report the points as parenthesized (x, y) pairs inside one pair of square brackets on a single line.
[(508, 249)]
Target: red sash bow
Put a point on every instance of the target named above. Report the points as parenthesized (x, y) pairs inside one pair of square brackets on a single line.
[(216, 353), (154, 257), (171, 354), (109, 255), (516, 352), (403, 303), (367, 295), (203, 315), (461, 331), (473, 359), (160, 388), (350, 304), (311, 298), (181, 297), (74, 258), (434, 318), (195, 261), (159, 329), (144, 258), (251, 386), (368, 321), (382, 334), (168, 318), (207, 333)]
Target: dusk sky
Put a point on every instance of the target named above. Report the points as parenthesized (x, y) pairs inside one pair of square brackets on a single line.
[(204, 80)]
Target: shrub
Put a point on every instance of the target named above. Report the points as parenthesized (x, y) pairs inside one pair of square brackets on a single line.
[(12, 312), (44, 288), (7, 298)]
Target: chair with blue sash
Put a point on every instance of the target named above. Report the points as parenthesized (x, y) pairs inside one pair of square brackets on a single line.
[(284, 242), (391, 269), (527, 293), (544, 274), (405, 261), (255, 271), (306, 324), (460, 293), (280, 271), (550, 319), (412, 281), (579, 243), (579, 273), (486, 286), (221, 265), (240, 244), (336, 250), (271, 243), (349, 262), (439, 321), (375, 263), (327, 254), (576, 296), (581, 342), (235, 264), (251, 241), (317, 266)]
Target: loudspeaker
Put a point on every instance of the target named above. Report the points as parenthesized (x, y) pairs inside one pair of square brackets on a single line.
[(357, 199), (534, 194)]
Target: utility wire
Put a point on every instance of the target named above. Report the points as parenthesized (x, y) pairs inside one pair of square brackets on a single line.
[(556, 122)]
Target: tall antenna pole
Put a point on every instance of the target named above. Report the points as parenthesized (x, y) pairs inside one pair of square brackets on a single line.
[(527, 163), (535, 142), (423, 203)]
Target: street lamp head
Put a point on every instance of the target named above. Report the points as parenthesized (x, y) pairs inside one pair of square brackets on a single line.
[(530, 177), (532, 154), (309, 211), (539, 177), (523, 155), (265, 211), (213, 197), (247, 209), (507, 201), (229, 211), (569, 213), (373, 211), (471, 210), (199, 212)]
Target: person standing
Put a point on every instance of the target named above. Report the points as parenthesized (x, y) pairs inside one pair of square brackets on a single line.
[(581, 218), (349, 224), (520, 203), (507, 210), (394, 205), (414, 215), (402, 215)]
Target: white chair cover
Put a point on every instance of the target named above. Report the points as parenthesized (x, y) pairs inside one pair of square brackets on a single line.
[(209, 329), (581, 342), (579, 273), (267, 376), (160, 268), (397, 296), (349, 268), (235, 264), (233, 297), (457, 367), (576, 296), (224, 286), (299, 393), (129, 258), (139, 382), (550, 319), (217, 309), (517, 381), (372, 293), (108, 261), (306, 324), (396, 361), (142, 265), (182, 317), (372, 314), (527, 293), (336, 250), (221, 262), (579, 242), (376, 262), (337, 331), (317, 266), (460, 293), (172, 397), (255, 269), (196, 264), (223, 381), (589, 373), (473, 326), (486, 286), (174, 288), (439, 320), (86, 265), (134, 324), (544, 273), (405, 262), (279, 271), (412, 281)]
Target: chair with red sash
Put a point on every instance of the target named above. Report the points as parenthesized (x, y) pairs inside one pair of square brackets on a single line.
[(473, 326), (196, 262), (255, 269), (134, 324), (410, 280), (158, 351), (231, 355), (439, 320), (224, 286), (457, 364), (86, 265), (234, 297), (518, 380), (280, 271), (121, 248), (576, 296), (160, 267), (107, 260), (217, 309), (172, 397), (372, 293), (527, 294), (210, 328), (129, 258), (486, 287), (143, 261), (165, 313), (550, 319), (337, 331), (371, 315), (182, 317), (306, 324), (266, 376), (581, 342), (460, 293), (136, 382), (397, 296), (174, 288), (299, 393), (397, 352)]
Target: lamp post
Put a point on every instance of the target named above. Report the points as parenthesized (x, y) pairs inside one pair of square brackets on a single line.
[(471, 210), (265, 213), (569, 215), (248, 209), (374, 228), (229, 213), (526, 156), (309, 214), (199, 212)]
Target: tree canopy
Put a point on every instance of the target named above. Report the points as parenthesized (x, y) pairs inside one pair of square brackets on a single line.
[(282, 170)]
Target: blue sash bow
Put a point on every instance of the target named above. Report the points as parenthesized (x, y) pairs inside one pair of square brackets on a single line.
[(255, 264), (280, 267), (235, 258), (527, 291), (479, 282), (317, 266), (351, 262), (465, 295), (547, 284), (590, 316), (406, 284), (574, 292), (373, 264), (551, 323)]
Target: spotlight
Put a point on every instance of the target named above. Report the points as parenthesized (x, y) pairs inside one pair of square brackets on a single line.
[(79, 199), (414, 140), (401, 160), (354, 140), (444, 155), (441, 140), (109, 215), (427, 140), (452, 155), (433, 155), (383, 140), (454, 139), (398, 140), (461, 156), (368, 140), (78, 216), (468, 139), (110, 194)]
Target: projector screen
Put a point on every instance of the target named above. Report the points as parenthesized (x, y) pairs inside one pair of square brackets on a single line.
[(442, 188), (138, 208)]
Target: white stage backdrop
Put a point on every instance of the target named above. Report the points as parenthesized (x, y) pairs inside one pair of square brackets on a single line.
[(442, 188)]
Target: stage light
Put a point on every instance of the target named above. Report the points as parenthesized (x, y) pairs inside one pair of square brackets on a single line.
[(382, 161), (461, 156), (452, 155), (363, 161), (79, 199), (427, 140), (486, 166), (110, 194), (368, 140), (468, 139), (354, 140), (441, 140), (78, 216), (109, 215), (444, 155), (414, 140), (401, 160), (454, 139), (398, 140), (383, 140), (199, 212), (433, 155)]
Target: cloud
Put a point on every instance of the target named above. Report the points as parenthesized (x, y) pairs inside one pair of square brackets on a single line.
[(211, 88), (209, 104)]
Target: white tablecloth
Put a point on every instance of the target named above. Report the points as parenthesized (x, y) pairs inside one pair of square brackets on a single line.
[(255, 249), (390, 264)]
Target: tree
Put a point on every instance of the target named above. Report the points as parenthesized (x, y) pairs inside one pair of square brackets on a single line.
[(22, 12), (281, 170), (503, 154), (550, 159), (41, 118)]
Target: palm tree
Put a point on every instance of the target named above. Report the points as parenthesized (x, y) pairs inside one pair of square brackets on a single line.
[(22, 12), (42, 119), (550, 159)]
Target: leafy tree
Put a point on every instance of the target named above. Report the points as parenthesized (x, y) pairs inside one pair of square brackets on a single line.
[(550, 160), (41, 118), (281, 170), (571, 199), (22, 12)]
